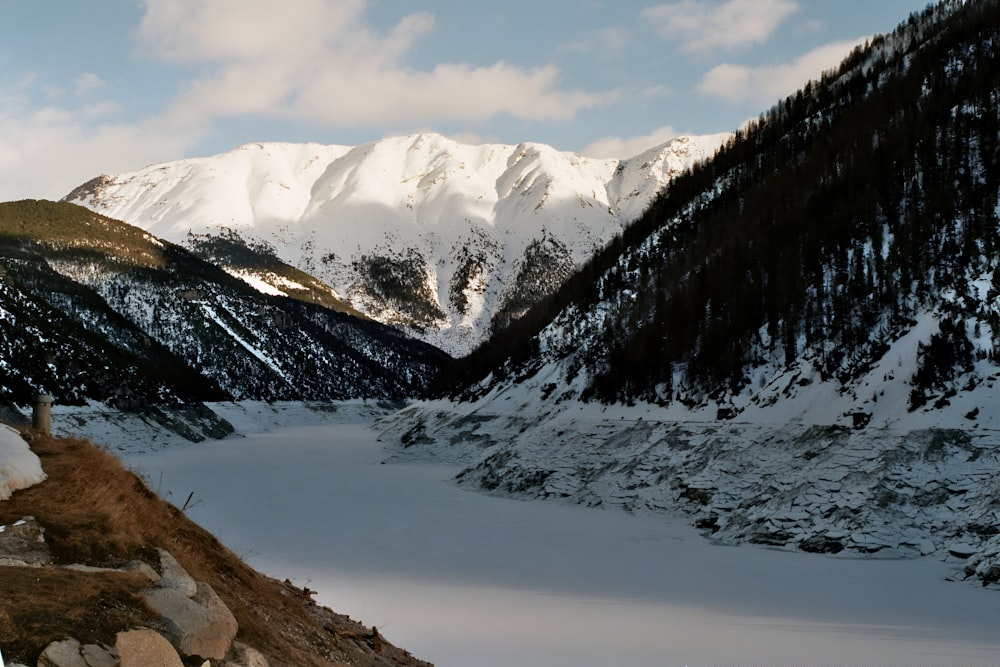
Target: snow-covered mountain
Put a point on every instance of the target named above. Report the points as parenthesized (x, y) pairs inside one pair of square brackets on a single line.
[(92, 309), (441, 237), (798, 345)]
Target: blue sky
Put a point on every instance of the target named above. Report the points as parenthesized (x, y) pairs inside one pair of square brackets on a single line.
[(114, 85)]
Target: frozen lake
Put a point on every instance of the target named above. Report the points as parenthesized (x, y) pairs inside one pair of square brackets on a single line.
[(460, 578)]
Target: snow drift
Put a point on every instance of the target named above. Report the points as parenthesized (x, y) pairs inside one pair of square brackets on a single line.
[(19, 467)]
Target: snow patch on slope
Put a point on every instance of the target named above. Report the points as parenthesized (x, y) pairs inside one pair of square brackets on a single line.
[(19, 466)]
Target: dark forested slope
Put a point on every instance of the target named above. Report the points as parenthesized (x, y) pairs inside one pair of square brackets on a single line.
[(92, 308), (822, 232)]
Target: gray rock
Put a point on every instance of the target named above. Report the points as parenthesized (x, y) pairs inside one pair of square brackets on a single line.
[(174, 575), (98, 656), (145, 648), (246, 656), (23, 544), (200, 626), (65, 653), (144, 568), (961, 550)]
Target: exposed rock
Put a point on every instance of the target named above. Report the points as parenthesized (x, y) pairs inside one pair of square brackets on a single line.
[(98, 656), (246, 656), (961, 550), (821, 544), (11, 415), (145, 648), (200, 626), (174, 575), (65, 653), (143, 567), (989, 572), (23, 543)]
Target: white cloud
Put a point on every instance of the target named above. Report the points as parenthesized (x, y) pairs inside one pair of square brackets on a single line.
[(700, 26), (47, 152), (323, 63), (317, 61), (87, 82), (626, 147), (768, 84)]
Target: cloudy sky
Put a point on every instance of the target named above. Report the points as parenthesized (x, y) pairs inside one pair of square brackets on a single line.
[(113, 85)]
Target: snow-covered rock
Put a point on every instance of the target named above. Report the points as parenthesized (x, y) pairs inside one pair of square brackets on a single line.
[(465, 222), (19, 467), (895, 491)]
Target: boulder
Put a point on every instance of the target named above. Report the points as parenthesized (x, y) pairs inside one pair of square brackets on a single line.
[(821, 544), (145, 648), (961, 549), (245, 656), (144, 568), (98, 656), (201, 626), (174, 575), (65, 653), (23, 543)]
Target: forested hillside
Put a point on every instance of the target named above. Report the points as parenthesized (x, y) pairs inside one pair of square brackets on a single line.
[(825, 230), (96, 309)]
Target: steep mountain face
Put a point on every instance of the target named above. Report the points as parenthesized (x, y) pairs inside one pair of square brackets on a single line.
[(97, 309), (807, 326), (442, 238)]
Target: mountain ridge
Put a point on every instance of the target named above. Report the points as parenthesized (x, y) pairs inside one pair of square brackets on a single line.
[(98, 310), (462, 232)]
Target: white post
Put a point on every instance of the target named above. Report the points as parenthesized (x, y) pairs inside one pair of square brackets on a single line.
[(41, 419)]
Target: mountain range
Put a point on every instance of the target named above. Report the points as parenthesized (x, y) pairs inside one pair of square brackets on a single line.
[(94, 309), (794, 342), (444, 239)]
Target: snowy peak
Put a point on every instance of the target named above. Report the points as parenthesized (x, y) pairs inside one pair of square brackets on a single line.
[(418, 230)]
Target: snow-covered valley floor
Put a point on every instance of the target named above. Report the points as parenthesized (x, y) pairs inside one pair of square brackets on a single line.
[(461, 578)]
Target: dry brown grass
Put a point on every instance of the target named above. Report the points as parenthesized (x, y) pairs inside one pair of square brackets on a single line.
[(53, 604), (96, 512)]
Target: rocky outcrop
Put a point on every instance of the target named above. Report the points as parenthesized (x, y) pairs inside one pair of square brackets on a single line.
[(198, 622), (246, 656), (198, 626), (175, 577), (816, 488), (65, 653), (133, 648), (145, 648), (23, 544)]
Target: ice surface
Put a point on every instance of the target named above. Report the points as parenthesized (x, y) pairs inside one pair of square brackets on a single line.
[(462, 578)]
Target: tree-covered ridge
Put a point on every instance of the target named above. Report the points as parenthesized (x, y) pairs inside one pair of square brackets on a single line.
[(257, 259), (821, 229), (66, 227), (94, 309)]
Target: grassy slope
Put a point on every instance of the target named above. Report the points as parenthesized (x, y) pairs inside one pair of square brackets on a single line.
[(96, 512)]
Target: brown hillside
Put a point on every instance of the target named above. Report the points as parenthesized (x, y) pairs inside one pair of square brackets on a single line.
[(96, 512)]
